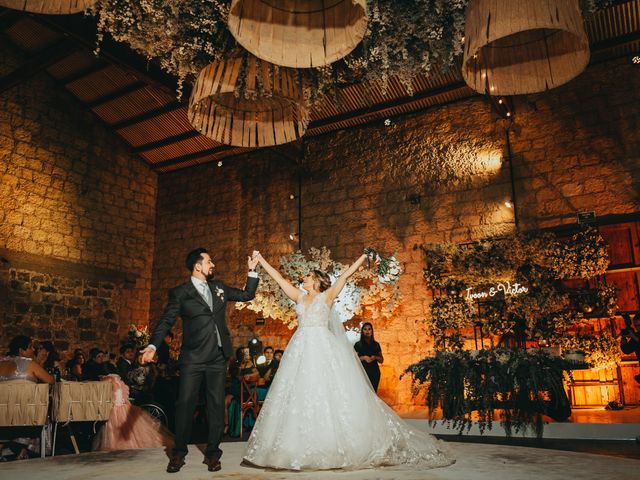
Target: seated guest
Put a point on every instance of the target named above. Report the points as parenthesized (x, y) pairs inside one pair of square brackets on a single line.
[(110, 364), (241, 368), (51, 362), (264, 367), (18, 365), (630, 339), (277, 355), (75, 366), (42, 352), (94, 369), (129, 426), (142, 378), (270, 373), (125, 362), (164, 350)]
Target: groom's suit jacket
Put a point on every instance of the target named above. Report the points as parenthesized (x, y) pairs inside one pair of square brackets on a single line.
[(199, 339)]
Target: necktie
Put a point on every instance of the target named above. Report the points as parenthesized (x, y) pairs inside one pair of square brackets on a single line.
[(206, 294)]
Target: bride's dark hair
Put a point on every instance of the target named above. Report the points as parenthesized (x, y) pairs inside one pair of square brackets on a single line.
[(323, 279)]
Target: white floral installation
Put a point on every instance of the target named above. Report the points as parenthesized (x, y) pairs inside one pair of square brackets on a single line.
[(404, 38), (365, 294)]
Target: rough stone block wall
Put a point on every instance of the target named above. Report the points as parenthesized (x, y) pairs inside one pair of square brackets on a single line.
[(71, 195), (575, 148)]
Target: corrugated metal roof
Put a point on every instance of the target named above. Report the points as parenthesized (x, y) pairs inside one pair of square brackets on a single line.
[(150, 112)]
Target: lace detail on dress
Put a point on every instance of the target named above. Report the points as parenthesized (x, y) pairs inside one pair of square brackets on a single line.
[(313, 313), (321, 412)]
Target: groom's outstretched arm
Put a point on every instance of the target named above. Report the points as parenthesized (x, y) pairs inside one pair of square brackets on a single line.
[(237, 295), (167, 319)]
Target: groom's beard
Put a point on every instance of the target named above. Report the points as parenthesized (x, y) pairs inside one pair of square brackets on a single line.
[(210, 276)]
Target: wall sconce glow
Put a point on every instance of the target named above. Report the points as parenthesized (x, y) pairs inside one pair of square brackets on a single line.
[(508, 204), (293, 236), (291, 196), (489, 160), (220, 163)]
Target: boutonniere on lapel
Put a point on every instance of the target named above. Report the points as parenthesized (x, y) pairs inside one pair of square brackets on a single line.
[(220, 293)]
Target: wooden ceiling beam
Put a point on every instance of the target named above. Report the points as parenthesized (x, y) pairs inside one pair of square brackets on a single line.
[(166, 141), (191, 156), (83, 72), (120, 92), (83, 29), (38, 62), (169, 107), (381, 108)]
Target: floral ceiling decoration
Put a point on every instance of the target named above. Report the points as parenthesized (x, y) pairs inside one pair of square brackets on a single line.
[(367, 294), (404, 38)]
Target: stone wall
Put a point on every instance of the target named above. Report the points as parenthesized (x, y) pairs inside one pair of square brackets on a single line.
[(575, 148), (81, 207)]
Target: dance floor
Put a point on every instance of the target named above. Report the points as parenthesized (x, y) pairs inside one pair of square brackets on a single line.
[(474, 461)]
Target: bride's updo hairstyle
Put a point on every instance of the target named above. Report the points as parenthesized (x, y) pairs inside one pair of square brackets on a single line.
[(324, 282)]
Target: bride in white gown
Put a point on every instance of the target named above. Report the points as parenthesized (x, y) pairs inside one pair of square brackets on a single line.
[(321, 411)]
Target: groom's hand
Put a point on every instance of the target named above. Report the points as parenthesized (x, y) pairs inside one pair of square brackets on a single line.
[(147, 355), (252, 262)]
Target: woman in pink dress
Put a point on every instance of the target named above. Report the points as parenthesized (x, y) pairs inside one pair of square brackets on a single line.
[(129, 426)]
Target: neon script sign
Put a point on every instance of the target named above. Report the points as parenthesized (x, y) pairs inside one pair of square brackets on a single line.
[(507, 288)]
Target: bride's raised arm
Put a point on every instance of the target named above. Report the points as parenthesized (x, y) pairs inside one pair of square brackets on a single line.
[(290, 291), (339, 284)]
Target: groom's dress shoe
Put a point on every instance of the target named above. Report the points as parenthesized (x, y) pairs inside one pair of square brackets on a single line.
[(213, 464), (175, 464)]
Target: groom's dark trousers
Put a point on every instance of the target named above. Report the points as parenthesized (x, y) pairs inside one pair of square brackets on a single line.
[(206, 347), (213, 374)]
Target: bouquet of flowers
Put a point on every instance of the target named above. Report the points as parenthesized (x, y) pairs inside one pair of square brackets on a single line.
[(353, 334), (138, 336), (388, 268)]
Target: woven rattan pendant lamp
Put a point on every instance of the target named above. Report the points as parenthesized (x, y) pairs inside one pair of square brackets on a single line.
[(516, 47), (50, 7), (273, 114), (298, 33)]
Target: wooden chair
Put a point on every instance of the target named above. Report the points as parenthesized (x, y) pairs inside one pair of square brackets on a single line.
[(248, 401), (80, 402), (25, 404)]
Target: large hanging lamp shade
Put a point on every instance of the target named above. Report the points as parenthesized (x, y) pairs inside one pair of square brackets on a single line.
[(298, 33), (245, 102), (50, 7), (516, 47)]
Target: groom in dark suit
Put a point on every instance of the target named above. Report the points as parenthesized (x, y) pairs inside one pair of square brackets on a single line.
[(206, 347)]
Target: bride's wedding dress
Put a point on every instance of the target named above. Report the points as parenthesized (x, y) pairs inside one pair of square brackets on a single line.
[(322, 413)]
